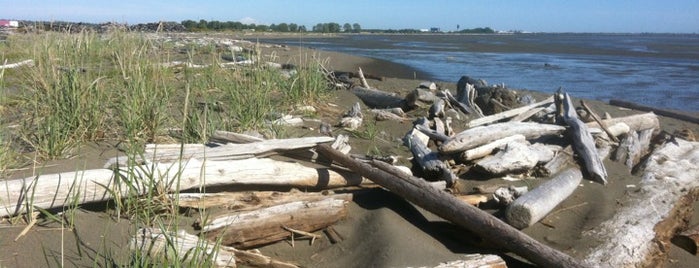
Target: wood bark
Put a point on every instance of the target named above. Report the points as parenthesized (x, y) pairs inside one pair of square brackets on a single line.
[(536, 204), (663, 112), (688, 240), (653, 214), (175, 152), (58, 190), (508, 114), (478, 136), (583, 142), (452, 209), (374, 98), (247, 229), (190, 248)]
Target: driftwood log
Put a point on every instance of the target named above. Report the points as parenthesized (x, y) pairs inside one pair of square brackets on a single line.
[(452, 209), (509, 113), (190, 248), (663, 112), (374, 98), (58, 190), (515, 157), (352, 120), (487, 149), (660, 208), (536, 204), (688, 240), (636, 122), (251, 228), (583, 142), (18, 64), (432, 167), (478, 136), (476, 260)]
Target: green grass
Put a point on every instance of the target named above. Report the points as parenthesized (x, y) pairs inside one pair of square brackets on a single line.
[(89, 87)]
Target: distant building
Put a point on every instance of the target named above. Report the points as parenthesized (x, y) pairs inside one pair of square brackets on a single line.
[(8, 23), (435, 30)]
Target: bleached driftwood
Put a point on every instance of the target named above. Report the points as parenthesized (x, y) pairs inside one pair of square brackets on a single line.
[(362, 79), (250, 200), (246, 229), (536, 204), (509, 113), (226, 136), (515, 157), (437, 108), (636, 122), (562, 159), (185, 247), (58, 190), (458, 212), (352, 120), (467, 108), (466, 94), (486, 149), (433, 168), (419, 97), (599, 121), (478, 136), (583, 142), (374, 98), (174, 152), (663, 112), (476, 260), (653, 214), (18, 64), (395, 114), (433, 134)]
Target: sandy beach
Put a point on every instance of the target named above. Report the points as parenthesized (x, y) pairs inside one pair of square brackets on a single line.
[(381, 229)]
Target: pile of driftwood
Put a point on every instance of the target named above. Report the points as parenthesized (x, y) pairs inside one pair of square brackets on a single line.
[(549, 139)]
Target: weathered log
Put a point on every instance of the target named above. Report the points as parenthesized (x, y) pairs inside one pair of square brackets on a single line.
[(246, 229), (395, 114), (487, 149), (583, 142), (58, 190), (433, 134), (636, 122), (452, 209), (663, 112), (536, 204), (478, 136), (466, 94), (688, 240), (653, 214), (18, 64), (476, 260), (175, 152), (562, 159), (433, 168), (353, 118), (247, 201), (225, 137), (463, 107), (437, 108), (509, 113), (514, 158), (190, 248), (362, 79), (374, 98), (419, 97), (402, 172)]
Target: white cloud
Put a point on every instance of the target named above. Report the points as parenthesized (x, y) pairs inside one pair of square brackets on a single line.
[(248, 20)]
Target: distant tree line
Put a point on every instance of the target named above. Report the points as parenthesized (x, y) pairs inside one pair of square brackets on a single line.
[(481, 30), (214, 25)]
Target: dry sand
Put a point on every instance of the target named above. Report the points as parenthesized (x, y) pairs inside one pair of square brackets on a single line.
[(382, 230)]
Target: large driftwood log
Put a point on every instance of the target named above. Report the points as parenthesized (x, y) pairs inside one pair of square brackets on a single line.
[(226, 137), (246, 201), (452, 209), (476, 260), (175, 152), (663, 112), (478, 136), (583, 142), (487, 149), (58, 190), (509, 113), (636, 122), (653, 215), (466, 95), (374, 98), (246, 229), (432, 167), (536, 204), (190, 248)]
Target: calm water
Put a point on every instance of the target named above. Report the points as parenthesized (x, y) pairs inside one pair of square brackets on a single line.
[(657, 69)]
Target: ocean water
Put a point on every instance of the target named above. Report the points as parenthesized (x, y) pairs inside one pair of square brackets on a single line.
[(660, 70)]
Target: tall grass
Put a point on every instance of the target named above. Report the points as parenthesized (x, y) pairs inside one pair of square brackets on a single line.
[(88, 87)]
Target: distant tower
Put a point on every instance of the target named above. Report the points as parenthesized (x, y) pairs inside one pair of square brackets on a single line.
[(457, 27)]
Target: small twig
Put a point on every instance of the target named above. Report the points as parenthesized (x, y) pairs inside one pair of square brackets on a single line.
[(28, 227), (302, 233), (362, 79)]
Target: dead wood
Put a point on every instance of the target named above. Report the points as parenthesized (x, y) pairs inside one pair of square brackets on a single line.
[(584, 144), (509, 113), (515, 157), (562, 159), (452, 209), (476, 260), (374, 98), (18, 64), (487, 149), (246, 229), (599, 121), (352, 120), (653, 214), (663, 112), (478, 136), (536, 204), (247, 201), (189, 248), (466, 94), (465, 108), (636, 122), (432, 167), (232, 137), (688, 240)]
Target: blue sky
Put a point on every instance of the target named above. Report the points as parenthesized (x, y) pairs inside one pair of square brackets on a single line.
[(540, 16)]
